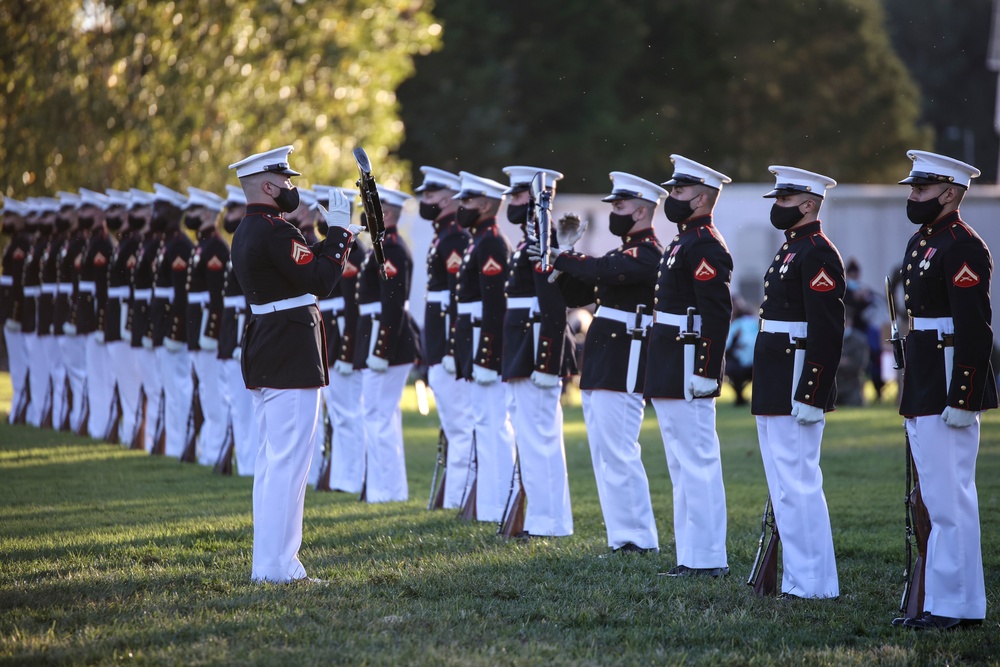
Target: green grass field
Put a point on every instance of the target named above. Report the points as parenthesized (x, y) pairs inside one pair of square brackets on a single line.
[(110, 556)]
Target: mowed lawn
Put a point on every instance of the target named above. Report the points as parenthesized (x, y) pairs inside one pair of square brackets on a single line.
[(109, 556)]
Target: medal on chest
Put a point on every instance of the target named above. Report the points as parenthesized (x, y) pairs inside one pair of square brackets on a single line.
[(785, 263), (673, 256), (925, 263)]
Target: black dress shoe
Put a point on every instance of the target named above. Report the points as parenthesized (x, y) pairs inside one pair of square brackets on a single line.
[(523, 536), (929, 621), (685, 571), (630, 548)]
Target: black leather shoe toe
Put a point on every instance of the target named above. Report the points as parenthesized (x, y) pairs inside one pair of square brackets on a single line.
[(929, 621)]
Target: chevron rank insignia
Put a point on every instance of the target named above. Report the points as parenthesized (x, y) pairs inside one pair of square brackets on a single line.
[(301, 254), (822, 282), (965, 277)]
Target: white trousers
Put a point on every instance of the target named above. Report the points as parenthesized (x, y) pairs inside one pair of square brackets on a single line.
[(214, 401), (286, 423), (39, 378), (946, 463), (100, 386), (347, 456), (495, 451), (454, 408), (57, 375), (241, 416), (385, 458), (152, 385), (536, 415), (17, 362), (613, 420), (695, 464), (178, 392), (124, 360), (790, 452), (74, 356)]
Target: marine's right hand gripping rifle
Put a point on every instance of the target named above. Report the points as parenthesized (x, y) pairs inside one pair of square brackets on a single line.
[(374, 220), (764, 574), (917, 521)]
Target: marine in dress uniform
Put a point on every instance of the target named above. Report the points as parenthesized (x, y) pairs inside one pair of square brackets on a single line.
[(168, 313), (205, 288), (684, 372), (947, 383), (795, 362), (387, 345), (444, 259), (242, 425), (112, 322), (12, 301), (72, 346), (347, 445), (53, 307), (89, 310), (537, 353), (621, 283), (43, 211), (477, 342), (284, 349)]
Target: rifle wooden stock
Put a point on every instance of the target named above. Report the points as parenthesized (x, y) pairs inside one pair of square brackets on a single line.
[(323, 483), (195, 420), (764, 574), (111, 431), (21, 409), (468, 512), (224, 464), (139, 426), (918, 525), (512, 523), (436, 499)]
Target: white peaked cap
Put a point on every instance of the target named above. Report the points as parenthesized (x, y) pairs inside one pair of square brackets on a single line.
[(13, 206), (118, 198), (91, 198), (689, 172), (392, 197), (933, 168), (209, 200), (308, 197), (67, 199), (274, 161), (141, 197), (520, 177), (438, 179), (235, 196), (165, 194), (792, 180), (477, 186), (43, 204), (627, 186)]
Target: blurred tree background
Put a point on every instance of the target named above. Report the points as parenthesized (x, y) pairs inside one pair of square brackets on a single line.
[(117, 94)]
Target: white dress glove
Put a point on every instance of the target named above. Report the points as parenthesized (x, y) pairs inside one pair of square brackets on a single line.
[(958, 418), (377, 364), (484, 376), (339, 214), (534, 252), (69, 329), (172, 345), (12, 325), (343, 367), (702, 386), (99, 337), (208, 343), (147, 342), (806, 414), (237, 354), (570, 229), (544, 380), (448, 363)]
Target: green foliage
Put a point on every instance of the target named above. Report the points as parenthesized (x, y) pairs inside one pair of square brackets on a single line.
[(592, 87), (110, 555), (121, 94)]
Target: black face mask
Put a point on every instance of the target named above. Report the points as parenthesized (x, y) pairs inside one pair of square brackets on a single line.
[(785, 217), (192, 222), (924, 212), (677, 210), (85, 223), (158, 223), (114, 223), (518, 214), (63, 224), (619, 224), (467, 217), (429, 211), (287, 199), (136, 222)]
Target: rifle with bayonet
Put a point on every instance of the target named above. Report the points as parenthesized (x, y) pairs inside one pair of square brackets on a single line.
[(764, 574), (372, 204), (917, 521)]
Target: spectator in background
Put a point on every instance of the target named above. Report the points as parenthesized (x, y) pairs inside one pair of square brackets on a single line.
[(854, 361), (739, 348), (860, 299)]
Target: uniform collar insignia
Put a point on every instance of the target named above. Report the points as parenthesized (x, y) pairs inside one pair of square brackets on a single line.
[(939, 224), (805, 230)]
